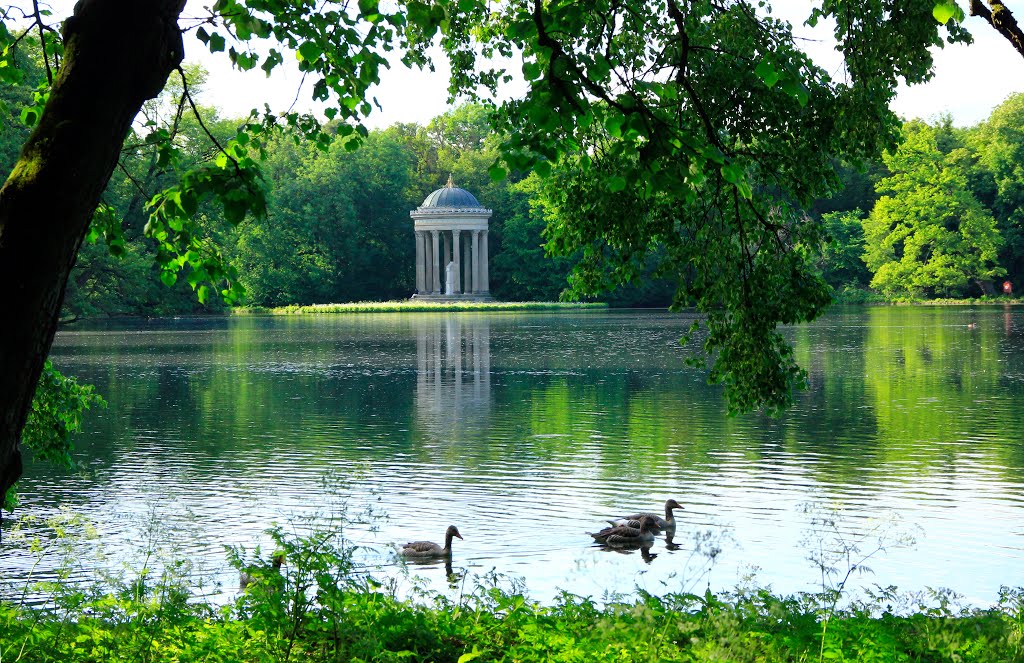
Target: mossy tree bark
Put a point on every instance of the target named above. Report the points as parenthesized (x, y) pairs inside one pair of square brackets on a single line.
[(118, 53)]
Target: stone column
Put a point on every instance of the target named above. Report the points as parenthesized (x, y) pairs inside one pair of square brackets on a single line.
[(446, 258), (421, 262), (447, 250), (428, 261), (457, 289), (476, 262), (485, 282), (467, 282), (435, 285)]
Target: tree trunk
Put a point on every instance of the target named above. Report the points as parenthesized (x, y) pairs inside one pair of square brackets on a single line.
[(118, 53)]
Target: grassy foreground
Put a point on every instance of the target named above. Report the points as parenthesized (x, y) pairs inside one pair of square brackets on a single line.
[(412, 305), (318, 616), (321, 606)]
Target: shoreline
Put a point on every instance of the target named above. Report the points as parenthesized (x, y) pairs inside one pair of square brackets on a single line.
[(413, 306)]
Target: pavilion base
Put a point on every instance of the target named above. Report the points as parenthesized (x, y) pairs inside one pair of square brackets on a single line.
[(468, 297)]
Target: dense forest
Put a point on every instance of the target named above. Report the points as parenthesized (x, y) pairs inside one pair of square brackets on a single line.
[(939, 218)]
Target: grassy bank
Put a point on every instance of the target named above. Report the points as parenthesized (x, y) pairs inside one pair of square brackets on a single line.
[(413, 305), (854, 296), (321, 607), (344, 620)]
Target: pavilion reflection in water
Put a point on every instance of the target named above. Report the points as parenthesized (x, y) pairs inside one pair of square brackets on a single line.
[(453, 385)]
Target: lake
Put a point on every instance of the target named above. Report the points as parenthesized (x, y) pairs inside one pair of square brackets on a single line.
[(527, 430)]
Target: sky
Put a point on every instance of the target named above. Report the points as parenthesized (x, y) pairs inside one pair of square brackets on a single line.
[(969, 80)]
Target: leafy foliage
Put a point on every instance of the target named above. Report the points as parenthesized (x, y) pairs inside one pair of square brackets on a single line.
[(695, 133), (998, 177), (841, 254), (56, 413), (929, 235)]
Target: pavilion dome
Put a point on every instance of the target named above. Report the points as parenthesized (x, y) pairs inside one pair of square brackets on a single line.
[(451, 196)]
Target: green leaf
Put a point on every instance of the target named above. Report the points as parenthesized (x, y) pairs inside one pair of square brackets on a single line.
[(616, 183), (713, 153), (614, 125), (469, 656), (216, 43), (189, 203), (767, 72), (497, 173), (732, 173), (29, 116), (531, 70), (309, 51), (946, 10)]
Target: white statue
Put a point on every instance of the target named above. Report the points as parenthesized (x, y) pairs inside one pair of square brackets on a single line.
[(449, 278)]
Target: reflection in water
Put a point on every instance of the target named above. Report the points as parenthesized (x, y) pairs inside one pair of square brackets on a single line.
[(453, 374), (534, 428), (454, 578), (627, 549)]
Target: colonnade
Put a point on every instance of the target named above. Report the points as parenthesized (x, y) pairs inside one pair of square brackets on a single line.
[(465, 251)]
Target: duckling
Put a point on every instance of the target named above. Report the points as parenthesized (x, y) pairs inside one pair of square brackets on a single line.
[(250, 575), (666, 523), (426, 549), (626, 535)]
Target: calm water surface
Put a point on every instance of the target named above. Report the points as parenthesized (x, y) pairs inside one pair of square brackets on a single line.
[(527, 430)]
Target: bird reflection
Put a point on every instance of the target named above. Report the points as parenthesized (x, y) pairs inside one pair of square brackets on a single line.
[(669, 544), (454, 577), (645, 550)]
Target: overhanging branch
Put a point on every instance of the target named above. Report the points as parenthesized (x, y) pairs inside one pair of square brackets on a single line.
[(1000, 18)]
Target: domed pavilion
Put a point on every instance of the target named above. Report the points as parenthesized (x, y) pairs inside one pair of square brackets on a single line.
[(451, 246)]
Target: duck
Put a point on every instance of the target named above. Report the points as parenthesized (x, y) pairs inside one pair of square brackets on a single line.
[(252, 574), (666, 523), (625, 535), (428, 549)]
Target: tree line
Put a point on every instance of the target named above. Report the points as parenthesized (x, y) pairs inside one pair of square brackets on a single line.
[(337, 227), (937, 217)]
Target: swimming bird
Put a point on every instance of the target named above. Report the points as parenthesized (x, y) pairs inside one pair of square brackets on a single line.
[(425, 549), (633, 520), (625, 535), (270, 575)]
